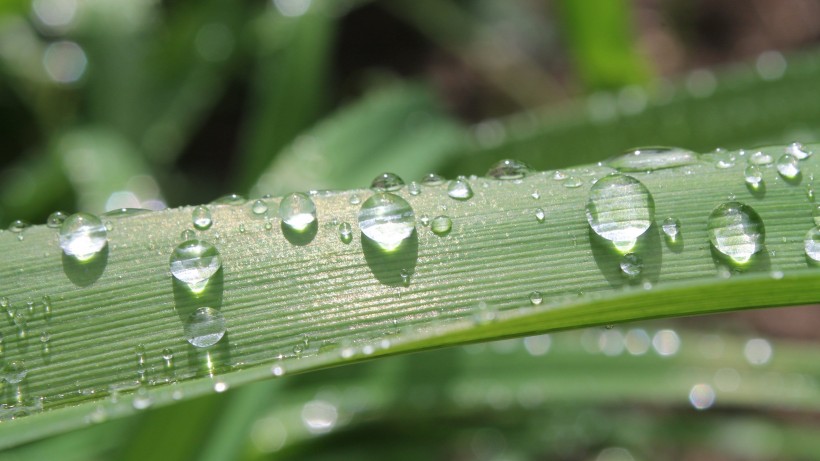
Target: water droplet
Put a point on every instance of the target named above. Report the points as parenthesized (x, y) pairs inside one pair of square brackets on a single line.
[(201, 217), (205, 327), (424, 220), (652, 158), (631, 265), (194, 262), (536, 298), (508, 169), (559, 175), (230, 199), (405, 277), (345, 232), (540, 216), (815, 214), (761, 159), (168, 357), (671, 228), (620, 209), (441, 225), (242, 228), (387, 182), (355, 200), (18, 225), (15, 371), (725, 162), (139, 354), (535, 195), (297, 211), (387, 219), (259, 207), (187, 234), (432, 179), (572, 182), (753, 176), (460, 189), (812, 244), (787, 166), (414, 188), (797, 151), (736, 231), (82, 236), (56, 219)]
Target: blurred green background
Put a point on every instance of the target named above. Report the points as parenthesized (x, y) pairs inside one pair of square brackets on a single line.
[(106, 104)]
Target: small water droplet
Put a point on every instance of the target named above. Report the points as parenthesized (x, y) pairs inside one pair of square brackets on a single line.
[(194, 262), (671, 228), (355, 200), (205, 327), (788, 167), (187, 234), (725, 162), (424, 220), (761, 159), (620, 209), (460, 189), (18, 225), (230, 199), (508, 169), (405, 277), (168, 357), (753, 176), (345, 232), (432, 179), (82, 236), (242, 228), (414, 188), (259, 207), (572, 182), (387, 182), (535, 195), (441, 225), (15, 371), (56, 219), (297, 211), (540, 216), (559, 175), (139, 354), (536, 298), (811, 244), (387, 219), (736, 231), (201, 217), (797, 151), (652, 158), (631, 265)]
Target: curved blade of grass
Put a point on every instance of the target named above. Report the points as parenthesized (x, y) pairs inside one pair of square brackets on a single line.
[(744, 105), (293, 308)]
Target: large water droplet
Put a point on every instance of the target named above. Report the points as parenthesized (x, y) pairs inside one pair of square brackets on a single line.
[(736, 231), (56, 219), (387, 219), (620, 209), (441, 225), (508, 169), (812, 244), (194, 262), (387, 182), (797, 151), (460, 189), (205, 327), (201, 218), (653, 158), (82, 236), (18, 225), (788, 167), (297, 211)]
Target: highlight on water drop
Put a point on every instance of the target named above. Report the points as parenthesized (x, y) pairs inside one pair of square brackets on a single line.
[(387, 219), (83, 236), (297, 211), (620, 209), (736, 231)]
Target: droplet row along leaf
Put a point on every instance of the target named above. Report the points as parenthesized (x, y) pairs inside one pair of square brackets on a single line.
[(292, 306)]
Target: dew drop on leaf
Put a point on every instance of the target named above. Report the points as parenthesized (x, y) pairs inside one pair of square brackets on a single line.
[(797, 151), (540, 216), (652, 158), (56, 219), (441, 225), (508, 169), (387, 219), (297, 211), (811, 244), (345, 232), (201, 218), (671, 228), (631, 265), (460, 189), (205, 327), (788, 167), (760, 159), (194, 262), (620, 209), (387, 182), (432, 179), (259, 207), (82, 236), (736, 231)]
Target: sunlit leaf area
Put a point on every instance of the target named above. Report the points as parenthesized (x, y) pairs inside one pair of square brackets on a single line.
[(409, 230)]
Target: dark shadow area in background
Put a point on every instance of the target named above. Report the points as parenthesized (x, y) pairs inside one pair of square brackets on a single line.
[(387, 266), (84, 273), (300, 238), (608, 258)]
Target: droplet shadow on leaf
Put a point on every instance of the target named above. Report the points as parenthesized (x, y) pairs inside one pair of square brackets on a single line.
[(300, 238), (212, 360), (84, 273), (392, 268), (608, 259)]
